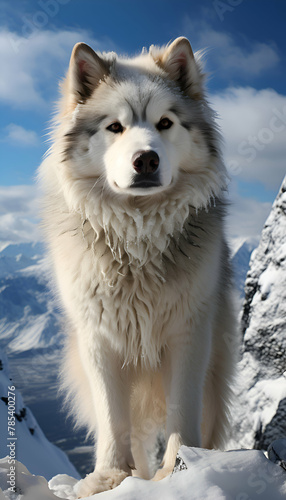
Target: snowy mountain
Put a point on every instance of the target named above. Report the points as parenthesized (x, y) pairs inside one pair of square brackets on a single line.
[(260, 413), (240, 263), (21, 435), (29, 318), (31, 336)]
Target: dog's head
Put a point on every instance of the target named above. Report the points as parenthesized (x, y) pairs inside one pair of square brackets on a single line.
[(134, 125)]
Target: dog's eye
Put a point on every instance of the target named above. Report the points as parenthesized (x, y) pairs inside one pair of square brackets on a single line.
[(115, 127), (164, 124)]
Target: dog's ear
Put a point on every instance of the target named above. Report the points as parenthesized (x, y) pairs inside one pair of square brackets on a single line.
[(178, 61), (86, 69)]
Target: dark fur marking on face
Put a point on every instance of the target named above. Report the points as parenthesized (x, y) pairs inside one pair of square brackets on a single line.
[(187, 124), (206, 129), (89, 128)]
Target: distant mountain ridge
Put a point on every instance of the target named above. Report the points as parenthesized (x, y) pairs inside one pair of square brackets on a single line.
[(29, 317), (18, 256), (30, 250), (240, 263)]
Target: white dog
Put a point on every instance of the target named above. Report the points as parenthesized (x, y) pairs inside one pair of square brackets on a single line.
[(133, 215)]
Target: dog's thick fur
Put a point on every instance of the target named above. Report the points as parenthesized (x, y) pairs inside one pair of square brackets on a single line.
[(142, 271)]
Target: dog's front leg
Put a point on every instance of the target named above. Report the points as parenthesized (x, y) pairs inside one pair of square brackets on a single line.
[(184, 370), (109, 390)]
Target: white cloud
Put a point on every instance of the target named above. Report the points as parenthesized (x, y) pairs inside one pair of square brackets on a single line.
[(253, 124), (33, 64), (250, 58), (246, 217), (19, 199), (19, 209), (17, 135)]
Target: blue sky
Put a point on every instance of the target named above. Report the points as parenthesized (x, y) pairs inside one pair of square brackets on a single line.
[(245, 60)]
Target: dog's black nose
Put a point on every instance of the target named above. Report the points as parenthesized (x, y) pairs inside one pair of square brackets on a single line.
[(145, 162)]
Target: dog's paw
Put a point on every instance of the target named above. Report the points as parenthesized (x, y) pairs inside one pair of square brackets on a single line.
[(162, 473), (99, 481)]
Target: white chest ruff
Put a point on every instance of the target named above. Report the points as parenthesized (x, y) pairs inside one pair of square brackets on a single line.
[(130, 304), (117, 281)]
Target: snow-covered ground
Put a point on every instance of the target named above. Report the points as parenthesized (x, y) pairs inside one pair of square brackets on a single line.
[(210, 475)]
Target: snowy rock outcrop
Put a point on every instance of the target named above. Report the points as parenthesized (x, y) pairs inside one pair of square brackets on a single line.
[(260, 413), (264, 310)]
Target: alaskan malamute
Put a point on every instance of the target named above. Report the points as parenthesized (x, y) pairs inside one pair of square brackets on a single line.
[(133, 215)]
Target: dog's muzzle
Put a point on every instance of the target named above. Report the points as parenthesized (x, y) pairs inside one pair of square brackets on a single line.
[(146, 165)]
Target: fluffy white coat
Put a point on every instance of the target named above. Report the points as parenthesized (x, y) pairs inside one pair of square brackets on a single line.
[(142, 274)]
